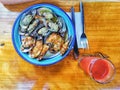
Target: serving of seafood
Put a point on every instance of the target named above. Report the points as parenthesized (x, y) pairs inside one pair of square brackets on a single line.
[(42, 31)]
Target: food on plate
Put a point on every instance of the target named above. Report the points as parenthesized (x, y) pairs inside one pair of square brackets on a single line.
[(42, 31), (27, 44)]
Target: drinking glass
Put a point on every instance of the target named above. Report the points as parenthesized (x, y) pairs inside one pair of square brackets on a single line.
[(99, 68)]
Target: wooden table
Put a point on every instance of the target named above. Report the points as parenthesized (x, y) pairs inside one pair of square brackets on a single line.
[(102, 24)]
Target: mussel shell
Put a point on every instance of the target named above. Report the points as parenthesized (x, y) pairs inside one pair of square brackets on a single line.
[(54, 19), (27, 43), (62, 28), (22, 31), (53, 27), (25, 21), (62, 25), (48, 15), (32, 26), (25, 50), (47, 35), (40, 11), (43, 31), (34, 12), (35, 34), (35, 52), (27, 17)]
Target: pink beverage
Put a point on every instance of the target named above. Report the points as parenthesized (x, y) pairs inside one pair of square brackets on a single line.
[(101, 70)]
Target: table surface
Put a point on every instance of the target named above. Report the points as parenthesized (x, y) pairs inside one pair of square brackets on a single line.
[(102, 25)]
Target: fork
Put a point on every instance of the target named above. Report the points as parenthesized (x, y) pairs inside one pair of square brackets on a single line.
[(83, 38)]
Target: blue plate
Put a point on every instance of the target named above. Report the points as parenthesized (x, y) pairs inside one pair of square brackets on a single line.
[(17, 41)]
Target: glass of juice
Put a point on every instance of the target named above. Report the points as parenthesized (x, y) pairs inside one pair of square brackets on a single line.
[(100, 69)]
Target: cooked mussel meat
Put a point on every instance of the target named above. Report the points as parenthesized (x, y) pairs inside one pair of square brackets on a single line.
[(35, 52), (46, 12), (43, 31), (25, 21), (53, 27), (27, 44), (32, 26)]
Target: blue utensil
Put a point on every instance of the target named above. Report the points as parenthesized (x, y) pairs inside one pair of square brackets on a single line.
[(76, 51)]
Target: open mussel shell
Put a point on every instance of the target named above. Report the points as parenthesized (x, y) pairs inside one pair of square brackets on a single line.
[(26, 49), (27, 43), (53, 27), (42, 10), (25, 21), (62, 27), (54, 19), (36, 50), (35, 34), (43, 31), (45, 12), (33, 12), (32, 26)]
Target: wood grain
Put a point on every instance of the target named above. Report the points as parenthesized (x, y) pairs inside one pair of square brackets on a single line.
[(102, 25)]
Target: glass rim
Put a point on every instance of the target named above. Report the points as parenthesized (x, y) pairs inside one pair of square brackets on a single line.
[(111, 76)]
